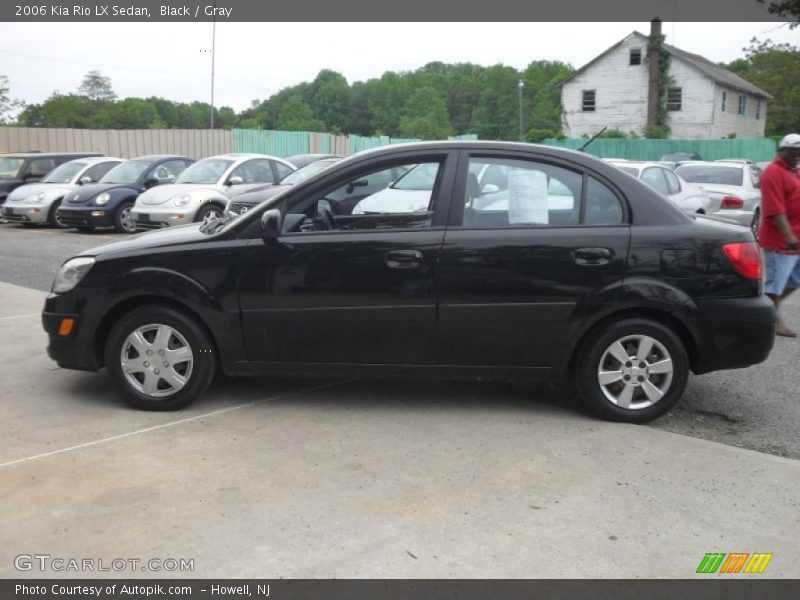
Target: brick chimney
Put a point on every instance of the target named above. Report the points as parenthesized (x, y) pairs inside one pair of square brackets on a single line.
[(653, 60)]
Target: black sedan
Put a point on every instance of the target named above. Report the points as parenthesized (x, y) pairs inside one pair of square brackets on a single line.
[(108, 203), (486, 260)]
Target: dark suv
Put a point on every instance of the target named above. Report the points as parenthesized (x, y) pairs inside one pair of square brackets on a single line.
[(491, 260), (27, 167)]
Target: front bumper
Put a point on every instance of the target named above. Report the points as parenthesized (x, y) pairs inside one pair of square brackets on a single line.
[(88, 216), (734, 332), (25, 213), (72, 351), (155, 217)]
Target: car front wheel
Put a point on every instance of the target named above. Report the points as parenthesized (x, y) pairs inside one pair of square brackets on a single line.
[(159, 358), (210, 212), (633, 370)]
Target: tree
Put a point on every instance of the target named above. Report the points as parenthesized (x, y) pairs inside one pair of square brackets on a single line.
[(328, 96), (776, 69), (496, 116), (425, 116), (786, 9), (542, 97), (296, 115), (7, 104), (97, 86)]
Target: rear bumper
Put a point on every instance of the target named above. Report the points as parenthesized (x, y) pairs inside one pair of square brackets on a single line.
[(733, 332), (93, 216), (154, 218), (736, 216)]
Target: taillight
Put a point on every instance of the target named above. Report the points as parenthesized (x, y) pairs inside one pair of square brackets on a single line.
[(745, 258), (732, 202)]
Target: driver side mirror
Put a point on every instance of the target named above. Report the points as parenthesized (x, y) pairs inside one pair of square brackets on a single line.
[(150, 182), (271, 224), (235, 180), (84, 180), (354, 184)]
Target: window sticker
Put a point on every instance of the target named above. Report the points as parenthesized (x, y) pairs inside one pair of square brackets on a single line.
[(527, 197)]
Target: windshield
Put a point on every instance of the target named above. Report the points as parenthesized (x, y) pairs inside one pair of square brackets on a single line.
[(421, 177), (711, 174), (305, 172), (126, 173), (205, 171), (9, 167), (65, 173)]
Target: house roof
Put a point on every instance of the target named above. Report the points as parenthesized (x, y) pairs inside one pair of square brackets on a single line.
[(708, 68)]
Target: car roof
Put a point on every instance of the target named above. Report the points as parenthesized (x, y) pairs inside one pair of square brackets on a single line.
[(157, 157), (241, 156), (91, 160)]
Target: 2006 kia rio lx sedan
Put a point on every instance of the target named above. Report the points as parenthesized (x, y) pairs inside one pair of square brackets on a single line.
[(607, 286)]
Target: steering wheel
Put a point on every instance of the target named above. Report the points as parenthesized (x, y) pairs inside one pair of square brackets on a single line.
[(325, 214)]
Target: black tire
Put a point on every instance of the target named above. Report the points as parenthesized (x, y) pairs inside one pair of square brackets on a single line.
[(594, 350), (52, 216), (189, 333), (85, 228), (206, 210), (121, 223)]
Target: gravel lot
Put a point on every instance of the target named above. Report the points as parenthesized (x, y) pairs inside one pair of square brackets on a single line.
[(756, 408)]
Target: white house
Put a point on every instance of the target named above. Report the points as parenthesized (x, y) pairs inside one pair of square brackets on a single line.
[(704, 100)]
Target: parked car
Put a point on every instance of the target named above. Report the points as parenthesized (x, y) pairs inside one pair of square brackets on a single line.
[(674, 159), (301, 160), (686, 196), (108, 203), (26, 167), (622, 294), (244, 202), (733, 188), (36, 203), (202, 191), (763, 164)]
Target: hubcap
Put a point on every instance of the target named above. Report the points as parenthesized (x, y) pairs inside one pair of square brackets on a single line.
[(211, 215), (156, 360), (126, 219), (635, 372)]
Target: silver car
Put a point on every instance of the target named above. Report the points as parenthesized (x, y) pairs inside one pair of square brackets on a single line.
[(733, 187), (688, 197), (37, 203), (201, 192)]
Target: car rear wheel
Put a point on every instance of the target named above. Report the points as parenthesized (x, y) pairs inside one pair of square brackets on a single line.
[(123, 220), (159, 358), (53, 219), (633, 370)]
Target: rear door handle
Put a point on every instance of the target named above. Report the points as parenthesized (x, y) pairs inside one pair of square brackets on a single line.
[(403, 259), (592, 256)]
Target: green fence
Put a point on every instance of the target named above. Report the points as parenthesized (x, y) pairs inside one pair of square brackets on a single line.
[(286, 143), (761, 149)]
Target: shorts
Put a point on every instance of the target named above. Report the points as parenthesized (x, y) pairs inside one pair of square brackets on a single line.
[(781, 271)]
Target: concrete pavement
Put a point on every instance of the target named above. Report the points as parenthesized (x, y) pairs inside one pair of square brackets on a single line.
[(308, 478)]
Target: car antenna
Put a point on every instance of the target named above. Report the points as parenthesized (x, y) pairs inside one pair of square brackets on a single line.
[(593, 138)]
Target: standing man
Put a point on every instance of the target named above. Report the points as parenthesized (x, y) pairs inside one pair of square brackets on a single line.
[(780, 225)]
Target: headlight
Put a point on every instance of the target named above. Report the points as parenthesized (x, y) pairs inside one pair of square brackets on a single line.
[(71, 273), (35, 198), (182, 200), (102, 198)]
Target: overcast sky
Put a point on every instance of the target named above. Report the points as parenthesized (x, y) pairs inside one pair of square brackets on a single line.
[(255, 60)]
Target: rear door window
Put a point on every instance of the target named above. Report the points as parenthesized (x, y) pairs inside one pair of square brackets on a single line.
[(655, 179)]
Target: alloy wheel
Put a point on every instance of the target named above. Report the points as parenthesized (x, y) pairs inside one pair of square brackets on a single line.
[(126, 219), (635, 372), (156, 360)]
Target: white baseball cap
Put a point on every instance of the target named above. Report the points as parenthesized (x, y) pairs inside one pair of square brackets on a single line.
[(790, 141)]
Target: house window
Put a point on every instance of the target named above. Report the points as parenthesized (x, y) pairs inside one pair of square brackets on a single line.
[(588, 104), (724, 101), (758, 109), (636, 56), (674, 96), (743, 105)]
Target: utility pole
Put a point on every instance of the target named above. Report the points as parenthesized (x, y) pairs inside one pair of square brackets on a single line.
[(213, 56), (520, 85)]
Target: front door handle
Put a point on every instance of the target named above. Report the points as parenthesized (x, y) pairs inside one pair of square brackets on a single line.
[(403, 259), (592, 256)]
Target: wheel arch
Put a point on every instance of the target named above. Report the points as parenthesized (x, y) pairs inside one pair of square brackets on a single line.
[(682, 329)]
